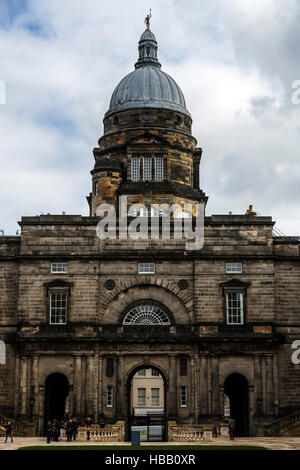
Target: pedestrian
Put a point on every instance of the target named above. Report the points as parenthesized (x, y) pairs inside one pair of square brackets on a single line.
[(61, 429), (69, 430), (8, 431), (231, 428), (48, 431), (75, 428)]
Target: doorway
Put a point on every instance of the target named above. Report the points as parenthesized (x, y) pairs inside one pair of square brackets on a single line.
[(146, 404), (237, 389), (56, 396)]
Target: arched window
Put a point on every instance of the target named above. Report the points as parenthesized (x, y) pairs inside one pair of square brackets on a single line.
[(2, 353), (146, 315)]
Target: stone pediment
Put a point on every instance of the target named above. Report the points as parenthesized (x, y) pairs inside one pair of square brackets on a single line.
[(147, 139)]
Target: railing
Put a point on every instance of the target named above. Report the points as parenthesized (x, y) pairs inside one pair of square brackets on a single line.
[(282, 425), (153, 331), (19, 429), (96, 434), (195, 432)]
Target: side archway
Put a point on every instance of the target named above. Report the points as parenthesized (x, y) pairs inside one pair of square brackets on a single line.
[(236, 387), (56, 396)]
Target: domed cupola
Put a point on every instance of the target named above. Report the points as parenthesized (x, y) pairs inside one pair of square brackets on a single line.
[(147, 86)]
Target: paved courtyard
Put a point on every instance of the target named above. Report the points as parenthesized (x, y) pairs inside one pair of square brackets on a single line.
[(272, 443)]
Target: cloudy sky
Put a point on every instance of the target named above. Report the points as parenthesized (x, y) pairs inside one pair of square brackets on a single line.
[(235, 61)]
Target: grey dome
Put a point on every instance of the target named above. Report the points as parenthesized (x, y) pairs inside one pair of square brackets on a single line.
[(147, 86)]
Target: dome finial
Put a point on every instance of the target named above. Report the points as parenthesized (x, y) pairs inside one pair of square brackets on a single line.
[(147, 19)]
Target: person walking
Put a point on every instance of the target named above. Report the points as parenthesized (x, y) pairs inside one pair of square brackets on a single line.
[(69, 430), (61, 429), (8, 431), (89, 427), (231, 428), (48, 431)]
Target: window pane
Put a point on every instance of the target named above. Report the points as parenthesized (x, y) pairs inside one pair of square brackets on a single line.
[(155, 396), (59, 267), (58, 308), (234, 268), (155, 373), (159, 169), (135, 168), (147, 169), (141, 396), (234, 308), (183, 397), (145, 268), (142, 373), (109, 396)]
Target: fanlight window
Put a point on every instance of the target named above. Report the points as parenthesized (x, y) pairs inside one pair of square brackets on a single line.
[(146, 315)]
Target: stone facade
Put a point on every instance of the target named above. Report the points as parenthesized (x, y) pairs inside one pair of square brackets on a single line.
[(93, 349)]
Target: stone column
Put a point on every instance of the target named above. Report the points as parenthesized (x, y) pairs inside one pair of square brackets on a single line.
[(173, 399), (192, 386), (258, 395), (35, 385), (196, 387), (119, 388), (89, 385), (269, 385), (17, 386), (215, 399), (203, 389), (77, 385), (23, 386), (276, 384), (100, 385), (221, 401), (96, 388)]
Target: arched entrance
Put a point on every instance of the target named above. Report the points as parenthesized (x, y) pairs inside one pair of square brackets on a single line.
[(56, 394), (236, 388), (146, 403)]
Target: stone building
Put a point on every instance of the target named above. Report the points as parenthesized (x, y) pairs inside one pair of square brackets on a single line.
[(79, 316)]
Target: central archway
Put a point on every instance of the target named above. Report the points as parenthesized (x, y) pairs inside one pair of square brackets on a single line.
[(153, 418), (56, 393), (237, 389)]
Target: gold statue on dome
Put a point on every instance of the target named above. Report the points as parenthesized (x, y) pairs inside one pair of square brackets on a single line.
[(147, 20)]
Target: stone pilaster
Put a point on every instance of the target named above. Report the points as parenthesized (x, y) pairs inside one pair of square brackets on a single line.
[(89, 385), (35, 384), (23, 386), (269, 386), (214, 377), (77, 385), (203, 389), (173, 398)]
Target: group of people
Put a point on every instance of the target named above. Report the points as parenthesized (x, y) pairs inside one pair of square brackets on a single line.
[(55, 429)]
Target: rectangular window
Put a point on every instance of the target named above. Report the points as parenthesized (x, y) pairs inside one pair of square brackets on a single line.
[(109, 396), (183, 397), (142, 373), (235, 308), (141, 396), (154, 373), (135, 168), (155, 396), (159, 168), (147, 168), (58, 308), (146, 268), (59, 268), (234, 268)]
